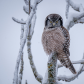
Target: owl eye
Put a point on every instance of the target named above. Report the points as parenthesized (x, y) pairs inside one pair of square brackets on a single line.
[(56, 21), (50, 21)]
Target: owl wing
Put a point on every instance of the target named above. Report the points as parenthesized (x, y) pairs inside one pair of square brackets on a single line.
[(64, 56), (67, 41)]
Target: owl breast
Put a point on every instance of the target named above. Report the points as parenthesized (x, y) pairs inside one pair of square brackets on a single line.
[(53, 40)]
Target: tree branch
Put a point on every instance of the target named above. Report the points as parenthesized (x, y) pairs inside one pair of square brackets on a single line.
[(28, 21), (18, 21), (27, 8), (30, 33), (77, 7), (37, 76), (52, 73), (22, 62), (74, 18)]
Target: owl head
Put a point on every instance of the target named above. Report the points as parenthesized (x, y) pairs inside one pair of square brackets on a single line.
[(53, 21)]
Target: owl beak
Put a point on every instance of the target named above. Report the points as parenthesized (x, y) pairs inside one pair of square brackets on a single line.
[(53, 24)]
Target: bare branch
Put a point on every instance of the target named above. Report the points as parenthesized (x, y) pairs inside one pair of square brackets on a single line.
[(18, 21)]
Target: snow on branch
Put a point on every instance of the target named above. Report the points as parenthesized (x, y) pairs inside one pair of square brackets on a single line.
[(19, 21), (15, 80), (23, 41), (22, 32), (77, 7), (30, 33), (22, 62), (32, 25), (21, 71), (36, 74), (27, 8), (74, 18)]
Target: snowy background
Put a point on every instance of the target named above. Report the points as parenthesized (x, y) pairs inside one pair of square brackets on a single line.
[(10, 40)]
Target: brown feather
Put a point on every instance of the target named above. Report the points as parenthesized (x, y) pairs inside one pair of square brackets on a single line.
[(53, 40)]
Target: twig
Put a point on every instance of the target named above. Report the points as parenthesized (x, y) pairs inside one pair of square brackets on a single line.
[(30, 33)]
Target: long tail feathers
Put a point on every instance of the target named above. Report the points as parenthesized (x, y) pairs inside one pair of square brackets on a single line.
[(72, 69), (65, 61)]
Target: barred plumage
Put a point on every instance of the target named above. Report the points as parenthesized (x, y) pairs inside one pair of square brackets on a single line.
[(55, 38)]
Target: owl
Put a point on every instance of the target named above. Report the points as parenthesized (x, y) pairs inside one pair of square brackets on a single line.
[(56, 38)]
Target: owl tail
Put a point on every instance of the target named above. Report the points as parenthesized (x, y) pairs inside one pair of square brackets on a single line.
[(72, 69), (65, 61)]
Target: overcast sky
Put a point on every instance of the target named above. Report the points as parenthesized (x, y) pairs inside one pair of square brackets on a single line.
[(10, 40)]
